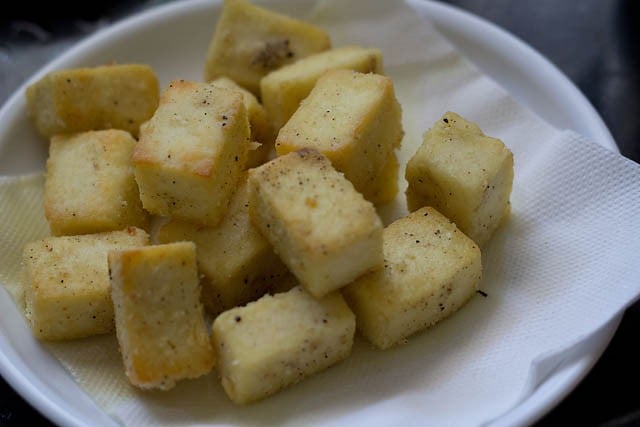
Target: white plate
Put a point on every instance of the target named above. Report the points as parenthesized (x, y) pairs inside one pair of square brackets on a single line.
[(40, 379)]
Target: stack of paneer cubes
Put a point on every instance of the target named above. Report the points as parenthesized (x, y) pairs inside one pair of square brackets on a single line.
[(287, 255)]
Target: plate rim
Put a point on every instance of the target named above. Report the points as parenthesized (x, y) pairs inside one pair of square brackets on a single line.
[(544, 398), (445, 15)]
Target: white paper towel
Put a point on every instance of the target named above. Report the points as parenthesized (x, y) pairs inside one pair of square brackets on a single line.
[(567, 262)]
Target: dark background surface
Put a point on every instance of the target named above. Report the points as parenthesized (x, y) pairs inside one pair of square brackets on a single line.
[(596, 43)]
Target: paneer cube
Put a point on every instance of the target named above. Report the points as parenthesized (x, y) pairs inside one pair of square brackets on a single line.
[(250, 41), (279, 340), (237, 265), (159, 318), (352, 118), (82, 99), (66, 283), (90, 186), (261, 132), (464, 174), (192, 152), (323, 230), (431, 270), (385, 187), (283, 89)]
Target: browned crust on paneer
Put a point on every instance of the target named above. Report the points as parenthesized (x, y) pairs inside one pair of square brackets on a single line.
[(159, 317), (66, 283), (82, 99), (322, 229), (250, 41)]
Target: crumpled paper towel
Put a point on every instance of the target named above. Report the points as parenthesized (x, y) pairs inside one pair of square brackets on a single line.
[(567, 262)]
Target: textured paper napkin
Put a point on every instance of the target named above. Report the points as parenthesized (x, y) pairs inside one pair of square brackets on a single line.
[(567, 262)]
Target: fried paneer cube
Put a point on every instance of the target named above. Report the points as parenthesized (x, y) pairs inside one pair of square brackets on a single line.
[(352, 118), (160, 321), (464, 174), (431, 269), (319, 225), (236, 263), (261, 131), (192, 152), (250, 41), (66, 283), (90, 185), (83, 99), (283, 89), (279, 340)]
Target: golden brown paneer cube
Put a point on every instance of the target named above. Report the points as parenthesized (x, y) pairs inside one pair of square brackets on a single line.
[(431, 269), (66, 283), (261, 132), (236, 264), (319, 225), (192, 152), (352, 118), (160, 321), (464, 174), (90, 186), (283, 89), (279, 340), (250, 41), (83, 99)]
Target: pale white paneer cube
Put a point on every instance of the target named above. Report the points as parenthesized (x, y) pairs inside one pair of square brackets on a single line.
[(90, 186), (352, 118), (279, 340), (431, 269), (236, 263), (283, 89), (192, 152), (250, 41), (160, 321), (66, 283), (464, 174), (319, 225)]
